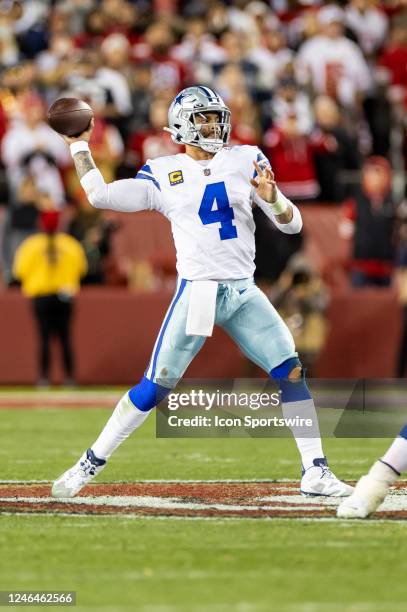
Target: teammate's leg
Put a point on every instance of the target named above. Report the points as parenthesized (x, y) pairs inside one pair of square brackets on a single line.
[(372, 489), (263, 336), (172, 353)]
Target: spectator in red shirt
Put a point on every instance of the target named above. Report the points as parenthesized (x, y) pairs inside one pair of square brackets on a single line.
[(394, 57), (292, 154), (394, 62)]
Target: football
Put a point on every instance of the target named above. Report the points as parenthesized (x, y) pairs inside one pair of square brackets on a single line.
[(69, 116)]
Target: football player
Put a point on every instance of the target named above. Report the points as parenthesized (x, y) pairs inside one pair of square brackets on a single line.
[(372, 489), (207, 193)]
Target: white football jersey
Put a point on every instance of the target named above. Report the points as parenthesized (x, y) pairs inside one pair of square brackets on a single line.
[(209, 207), (210, 210)]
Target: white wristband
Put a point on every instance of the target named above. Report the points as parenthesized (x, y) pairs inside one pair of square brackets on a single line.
[(279, 206), (79, 147)]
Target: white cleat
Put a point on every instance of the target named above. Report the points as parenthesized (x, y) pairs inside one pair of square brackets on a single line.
[(81, 474), (318, 480), (368, 495)]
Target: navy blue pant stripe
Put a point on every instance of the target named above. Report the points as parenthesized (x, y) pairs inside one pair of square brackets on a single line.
[(165, 325)]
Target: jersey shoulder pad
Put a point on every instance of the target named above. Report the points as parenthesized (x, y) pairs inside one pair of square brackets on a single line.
[(146, 173)]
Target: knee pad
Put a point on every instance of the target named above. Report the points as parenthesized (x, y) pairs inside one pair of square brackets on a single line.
[(147, 394), (283, 370), (295, 390)]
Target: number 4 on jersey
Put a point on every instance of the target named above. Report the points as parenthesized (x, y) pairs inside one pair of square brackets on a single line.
[(223, 213)]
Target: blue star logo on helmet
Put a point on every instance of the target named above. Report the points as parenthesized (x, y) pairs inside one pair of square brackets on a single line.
[(180, 97)]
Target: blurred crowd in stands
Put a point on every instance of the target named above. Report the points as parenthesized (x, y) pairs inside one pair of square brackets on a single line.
[(321, 87)]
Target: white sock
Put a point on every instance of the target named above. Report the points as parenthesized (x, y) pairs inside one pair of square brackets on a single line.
[(383, 473), (308, 439), (396, 456), (124, 420)]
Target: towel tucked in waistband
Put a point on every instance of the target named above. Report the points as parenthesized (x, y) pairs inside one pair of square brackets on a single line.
[(202, 308)]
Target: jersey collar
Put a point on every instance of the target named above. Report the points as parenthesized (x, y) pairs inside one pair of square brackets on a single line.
[(190, 160)]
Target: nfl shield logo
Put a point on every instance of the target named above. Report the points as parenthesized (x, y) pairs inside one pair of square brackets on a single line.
[(207, 171)]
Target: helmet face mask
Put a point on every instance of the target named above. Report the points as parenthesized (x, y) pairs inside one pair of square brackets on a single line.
[(188, 123)]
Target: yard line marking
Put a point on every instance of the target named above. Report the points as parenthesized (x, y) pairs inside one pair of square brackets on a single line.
[(267, 500), (146, 501), (165, 480)]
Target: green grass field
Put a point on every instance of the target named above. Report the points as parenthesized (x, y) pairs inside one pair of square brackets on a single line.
[(120, 563)]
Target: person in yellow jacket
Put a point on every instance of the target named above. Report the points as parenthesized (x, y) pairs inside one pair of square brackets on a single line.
[(50, 265)]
